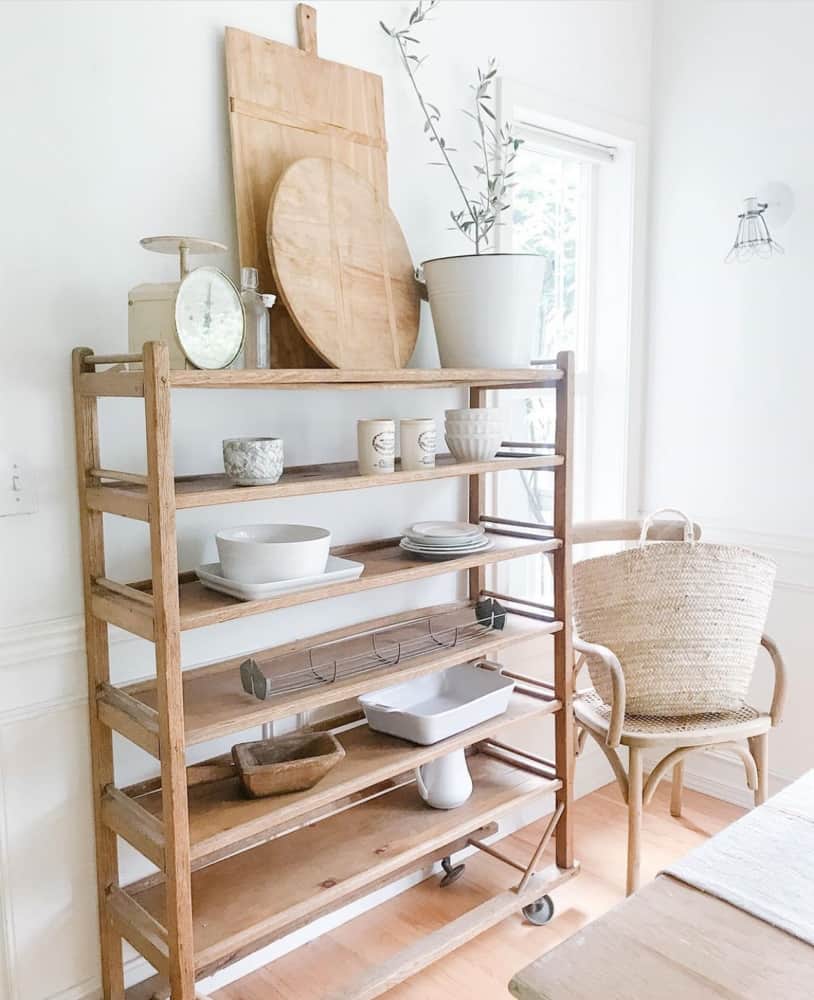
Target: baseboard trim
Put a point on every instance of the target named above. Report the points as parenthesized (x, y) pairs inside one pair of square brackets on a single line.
[(719, 774)]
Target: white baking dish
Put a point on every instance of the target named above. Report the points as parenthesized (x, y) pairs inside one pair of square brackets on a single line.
[(429, 709)]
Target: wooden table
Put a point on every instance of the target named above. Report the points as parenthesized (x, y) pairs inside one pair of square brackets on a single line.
[(671, 942)]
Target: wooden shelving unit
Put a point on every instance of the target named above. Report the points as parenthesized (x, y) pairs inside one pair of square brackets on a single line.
[(233, 873)]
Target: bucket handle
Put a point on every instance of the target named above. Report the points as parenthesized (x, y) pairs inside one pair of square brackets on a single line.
[(689, 530)]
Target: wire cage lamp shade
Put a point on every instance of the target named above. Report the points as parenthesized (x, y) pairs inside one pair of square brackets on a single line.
[(753, 238)]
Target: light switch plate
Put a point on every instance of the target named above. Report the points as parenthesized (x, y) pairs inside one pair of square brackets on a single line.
[(17, 494)]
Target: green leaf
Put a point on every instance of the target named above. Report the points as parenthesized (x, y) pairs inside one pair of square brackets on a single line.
[(385, 29), (487, 110)]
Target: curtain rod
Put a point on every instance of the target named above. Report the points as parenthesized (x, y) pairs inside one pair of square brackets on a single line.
[(609, 151)]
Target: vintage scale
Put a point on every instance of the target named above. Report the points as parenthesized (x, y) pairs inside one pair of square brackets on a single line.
[(200, 316)]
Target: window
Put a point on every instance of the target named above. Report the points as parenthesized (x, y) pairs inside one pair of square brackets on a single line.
[(552, 216), (575, 204)]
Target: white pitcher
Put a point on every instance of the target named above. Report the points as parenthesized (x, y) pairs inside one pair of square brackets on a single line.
[(445, 783)]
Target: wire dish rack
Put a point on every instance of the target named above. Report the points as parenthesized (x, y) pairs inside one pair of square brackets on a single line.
[(358, 654)]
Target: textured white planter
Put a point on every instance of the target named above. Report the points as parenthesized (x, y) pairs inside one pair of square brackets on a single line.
[(485, 308)]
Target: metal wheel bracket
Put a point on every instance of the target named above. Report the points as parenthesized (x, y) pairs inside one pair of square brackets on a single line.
[(451, 872), (540, 911)]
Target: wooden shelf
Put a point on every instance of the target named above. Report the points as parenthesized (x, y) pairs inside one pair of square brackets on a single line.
[(349, 378), (215, 704), (130, 499), (118, 382), (221, 816), (252, 898), (386, 564)]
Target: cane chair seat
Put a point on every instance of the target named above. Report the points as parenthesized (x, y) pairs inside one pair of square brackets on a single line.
[(688, 730)]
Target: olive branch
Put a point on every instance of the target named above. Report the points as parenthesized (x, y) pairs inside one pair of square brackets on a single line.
[(496, 144)]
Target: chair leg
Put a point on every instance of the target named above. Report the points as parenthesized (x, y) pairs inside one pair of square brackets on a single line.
[(678, 787), (759, 748), (634, 819)]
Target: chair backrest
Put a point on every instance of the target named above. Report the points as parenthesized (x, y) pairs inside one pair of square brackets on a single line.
[(587, 532)]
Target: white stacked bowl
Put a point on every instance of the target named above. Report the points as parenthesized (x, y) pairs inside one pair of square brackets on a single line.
[(474, 435)]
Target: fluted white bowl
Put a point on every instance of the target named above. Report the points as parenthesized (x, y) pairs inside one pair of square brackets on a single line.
[(473, 447), (475, 414), (479, 427)]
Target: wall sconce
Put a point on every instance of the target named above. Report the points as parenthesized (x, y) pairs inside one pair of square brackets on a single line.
[(753, 238)]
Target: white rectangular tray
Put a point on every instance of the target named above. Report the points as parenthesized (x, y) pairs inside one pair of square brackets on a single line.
[(336, 569), (429, 709)]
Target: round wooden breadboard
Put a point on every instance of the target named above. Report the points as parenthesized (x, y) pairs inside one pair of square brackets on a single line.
[(342, 267)]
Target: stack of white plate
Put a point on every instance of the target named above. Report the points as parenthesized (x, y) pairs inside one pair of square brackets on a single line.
[(476, 434), (444, 539)]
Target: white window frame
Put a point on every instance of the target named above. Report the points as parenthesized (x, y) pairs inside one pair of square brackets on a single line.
[(563, 123), (612, 386), (547, 143)]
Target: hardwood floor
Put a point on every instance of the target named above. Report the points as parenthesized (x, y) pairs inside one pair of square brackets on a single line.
[(481, 969)]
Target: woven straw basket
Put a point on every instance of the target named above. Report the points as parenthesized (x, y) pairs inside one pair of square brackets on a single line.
[(683, 618)]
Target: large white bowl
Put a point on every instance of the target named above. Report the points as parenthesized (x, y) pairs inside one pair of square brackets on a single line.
[(474, 448), (264, 553)]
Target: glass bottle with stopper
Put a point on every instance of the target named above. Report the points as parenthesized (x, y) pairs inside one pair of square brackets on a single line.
[(200, 316), (257, 350)]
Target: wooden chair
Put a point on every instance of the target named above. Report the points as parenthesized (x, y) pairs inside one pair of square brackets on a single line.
[(744, 732)]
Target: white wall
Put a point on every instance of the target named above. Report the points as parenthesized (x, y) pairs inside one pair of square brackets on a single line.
[(728, 430), (114, 127)]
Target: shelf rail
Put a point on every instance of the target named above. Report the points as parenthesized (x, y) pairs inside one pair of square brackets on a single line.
[(532, 530)]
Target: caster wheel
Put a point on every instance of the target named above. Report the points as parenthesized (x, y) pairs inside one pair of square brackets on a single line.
[(540, 911), (451, 872)]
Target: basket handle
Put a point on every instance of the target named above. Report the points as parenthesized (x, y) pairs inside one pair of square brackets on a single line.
[(689, 530)]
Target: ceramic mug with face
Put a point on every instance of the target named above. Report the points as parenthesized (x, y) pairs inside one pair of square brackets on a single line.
[(377, 446)]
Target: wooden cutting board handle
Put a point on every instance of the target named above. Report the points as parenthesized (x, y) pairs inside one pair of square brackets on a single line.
[(307, 28)]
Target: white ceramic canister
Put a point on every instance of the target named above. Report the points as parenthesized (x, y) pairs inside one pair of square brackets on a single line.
[(377, 446), (417, 444)]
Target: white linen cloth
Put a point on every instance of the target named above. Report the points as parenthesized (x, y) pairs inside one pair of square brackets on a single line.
[(764, 862)]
